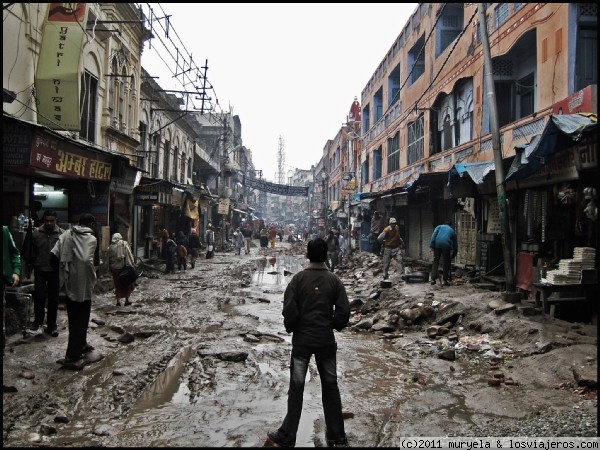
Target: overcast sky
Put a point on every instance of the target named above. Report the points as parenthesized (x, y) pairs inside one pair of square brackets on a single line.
[(288, 69)]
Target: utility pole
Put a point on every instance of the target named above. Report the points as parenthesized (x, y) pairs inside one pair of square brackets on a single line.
[(497, 149)]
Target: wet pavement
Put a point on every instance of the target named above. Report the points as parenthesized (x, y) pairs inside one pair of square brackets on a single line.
[(206, 360)]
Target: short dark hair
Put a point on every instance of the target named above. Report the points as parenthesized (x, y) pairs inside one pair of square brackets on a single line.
[(316, 250), (87, 220), (49, 212)]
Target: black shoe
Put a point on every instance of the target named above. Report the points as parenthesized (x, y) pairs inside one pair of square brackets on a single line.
[(87, 348), (127, 303), (71, 359), (338, 443), (275, 437), (51, 331)]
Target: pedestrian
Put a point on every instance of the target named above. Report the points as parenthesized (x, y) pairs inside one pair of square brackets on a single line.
[(333, 249), (119, 256), (163, 237), (11, 270), (171, 253), (314, 304), (264, 236), (74, 255), (247, 237), (210, 241), (377, 224), (182, 250), (343, 246), (443, 244), (393, 244), (272, 235), (194, 246), (238, 240), (46, 279)]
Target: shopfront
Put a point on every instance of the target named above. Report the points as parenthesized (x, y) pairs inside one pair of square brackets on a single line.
[(45, 170)]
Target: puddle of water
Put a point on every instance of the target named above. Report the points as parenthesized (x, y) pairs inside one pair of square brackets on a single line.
[(277, 270)]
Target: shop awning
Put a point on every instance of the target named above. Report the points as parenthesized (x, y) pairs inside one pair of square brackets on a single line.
[(561, 131), (476, 171), (426, 180)]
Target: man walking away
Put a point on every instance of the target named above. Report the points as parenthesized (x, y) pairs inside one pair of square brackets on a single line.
[(46, 279), (314, 304), (377, 224), (247, 237), (392, 247), (443, 244), (333, 249), (73, 254)]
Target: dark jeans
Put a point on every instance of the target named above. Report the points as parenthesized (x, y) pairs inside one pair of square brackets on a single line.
[(444, 253), (330, 393), (46, 285), (79, 318)]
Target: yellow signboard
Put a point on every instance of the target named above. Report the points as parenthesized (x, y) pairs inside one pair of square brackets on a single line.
[(57, 75)]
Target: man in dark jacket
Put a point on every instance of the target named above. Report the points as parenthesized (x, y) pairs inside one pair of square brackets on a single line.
[(314, 304), (443, 244), (46, 278)]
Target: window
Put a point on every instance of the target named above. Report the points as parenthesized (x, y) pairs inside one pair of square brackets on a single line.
[(526, 91), (364, 173), (366, 117), (506, 108), (416, 59), (88, 99), (394, 86), (167, 161), (154, 149), (449, 27), (500, 14), (142, 152), (377, 164), (586, 66), (378, 105), (415, 140), (393, 156)]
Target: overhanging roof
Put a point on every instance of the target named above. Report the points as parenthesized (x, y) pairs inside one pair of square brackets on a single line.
[(561, 131), (476, 171)]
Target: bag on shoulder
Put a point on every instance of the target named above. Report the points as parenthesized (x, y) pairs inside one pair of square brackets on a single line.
[(127, 275)]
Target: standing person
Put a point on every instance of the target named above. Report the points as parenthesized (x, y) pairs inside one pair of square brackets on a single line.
[(333, 249), (272, 235), (170, 253), (46, 279), (119, 256), (377, 224), (74, 255), (163, 237), (238, 240), (194, 246), (11, 272), (210, 241), (343, 245), (314, 304), (182, 250), (443, 244), (392, 247), (264, 237), (247, 237)]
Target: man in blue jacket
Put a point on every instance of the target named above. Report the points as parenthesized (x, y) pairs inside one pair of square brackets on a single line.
[(443, 244), (314, 304)]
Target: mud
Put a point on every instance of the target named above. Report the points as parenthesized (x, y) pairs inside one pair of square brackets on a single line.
[(201, 359)]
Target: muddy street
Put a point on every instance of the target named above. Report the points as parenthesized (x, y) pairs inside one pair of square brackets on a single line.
[(201, 359)]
